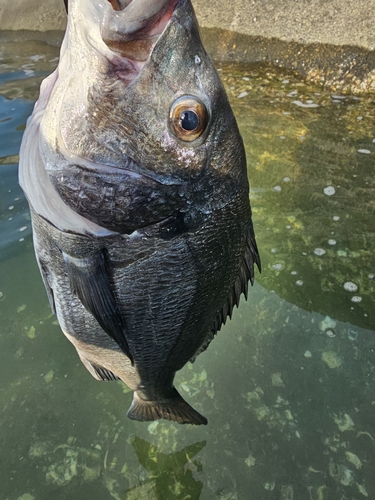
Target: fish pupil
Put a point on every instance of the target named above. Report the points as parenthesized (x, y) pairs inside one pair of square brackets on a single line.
[(189, 120)]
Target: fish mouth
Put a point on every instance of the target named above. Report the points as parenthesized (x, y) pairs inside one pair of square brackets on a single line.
[(131, 28)]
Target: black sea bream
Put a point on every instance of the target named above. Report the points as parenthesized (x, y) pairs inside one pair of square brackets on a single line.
[(135, 173)]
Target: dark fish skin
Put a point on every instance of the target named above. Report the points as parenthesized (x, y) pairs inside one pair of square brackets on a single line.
[(144, 238)]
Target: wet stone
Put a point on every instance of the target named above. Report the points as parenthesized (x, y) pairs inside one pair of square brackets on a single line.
[(349, 286)]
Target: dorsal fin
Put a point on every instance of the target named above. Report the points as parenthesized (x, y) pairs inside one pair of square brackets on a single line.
[(240, 286), (89, 281)]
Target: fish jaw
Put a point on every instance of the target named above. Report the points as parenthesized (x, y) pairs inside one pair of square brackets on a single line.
[(133, 30), (123, 31)]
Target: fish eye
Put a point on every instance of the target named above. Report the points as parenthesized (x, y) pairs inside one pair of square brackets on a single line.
[(188, 118)]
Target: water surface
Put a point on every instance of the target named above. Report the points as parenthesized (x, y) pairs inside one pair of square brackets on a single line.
[(288, 385)]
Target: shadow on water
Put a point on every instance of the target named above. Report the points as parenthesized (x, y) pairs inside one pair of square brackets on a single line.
[(170, 476), (288, 385)]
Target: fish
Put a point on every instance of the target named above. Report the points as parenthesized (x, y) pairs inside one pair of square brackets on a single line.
[(135, 173)]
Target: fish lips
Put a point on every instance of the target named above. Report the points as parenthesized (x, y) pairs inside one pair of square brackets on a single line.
[(131, 29)]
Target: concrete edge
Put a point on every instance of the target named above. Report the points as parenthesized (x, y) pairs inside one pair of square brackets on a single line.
[(343, 68), (346, 68)]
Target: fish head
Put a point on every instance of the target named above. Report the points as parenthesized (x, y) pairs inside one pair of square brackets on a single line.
[(149, 91), (136, 92)]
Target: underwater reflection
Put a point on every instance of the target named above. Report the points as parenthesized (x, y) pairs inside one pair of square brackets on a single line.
[(170, 475), (310, 162)]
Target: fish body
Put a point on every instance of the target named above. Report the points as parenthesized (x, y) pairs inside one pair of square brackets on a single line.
[(135, 173)]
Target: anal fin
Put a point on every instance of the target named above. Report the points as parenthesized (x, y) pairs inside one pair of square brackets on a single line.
[(89, 281), (104, 374), (98, 372)]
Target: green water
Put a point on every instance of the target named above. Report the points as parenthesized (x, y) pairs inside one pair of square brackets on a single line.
[(288, 385)]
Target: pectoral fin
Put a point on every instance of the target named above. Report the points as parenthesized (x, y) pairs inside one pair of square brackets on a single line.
[(89, 281)]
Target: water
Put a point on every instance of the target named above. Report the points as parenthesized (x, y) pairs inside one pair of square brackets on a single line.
[(288, 385)]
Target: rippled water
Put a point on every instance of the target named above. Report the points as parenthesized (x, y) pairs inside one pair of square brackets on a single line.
[(288, 385)]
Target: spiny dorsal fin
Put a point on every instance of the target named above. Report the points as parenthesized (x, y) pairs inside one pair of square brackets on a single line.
[(89, 281), (240, 286)]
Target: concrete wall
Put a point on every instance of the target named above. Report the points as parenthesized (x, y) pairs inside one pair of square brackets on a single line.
[(330, 42), (39, 15), (337, 22)]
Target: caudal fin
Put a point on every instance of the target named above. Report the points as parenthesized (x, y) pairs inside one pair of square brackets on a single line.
[(174, 408)]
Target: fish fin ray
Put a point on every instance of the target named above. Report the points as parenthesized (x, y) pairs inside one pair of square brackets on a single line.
[(98, 372), (252, 254), (104, 374), (90, 283), (240, 286), (175, 409), (49, 290)]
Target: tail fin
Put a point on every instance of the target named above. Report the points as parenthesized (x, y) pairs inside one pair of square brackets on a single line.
[(174, 408)]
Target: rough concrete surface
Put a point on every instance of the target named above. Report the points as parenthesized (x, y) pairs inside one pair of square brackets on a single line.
[(337, 22), (38, 15)]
